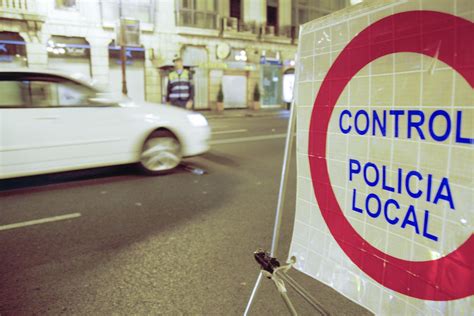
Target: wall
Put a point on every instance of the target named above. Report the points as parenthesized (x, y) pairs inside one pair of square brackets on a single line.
[(161, 41)]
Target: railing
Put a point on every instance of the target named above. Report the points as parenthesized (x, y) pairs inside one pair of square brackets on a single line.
[(230, 24), (269, 30), (17, 6), (289, 31), (248, 27)]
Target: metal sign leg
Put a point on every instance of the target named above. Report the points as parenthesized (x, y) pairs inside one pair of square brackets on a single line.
[(284, 180), (281, 199), (254, 292)]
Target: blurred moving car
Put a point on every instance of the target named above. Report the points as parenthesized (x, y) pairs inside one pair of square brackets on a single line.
[(52, 122)]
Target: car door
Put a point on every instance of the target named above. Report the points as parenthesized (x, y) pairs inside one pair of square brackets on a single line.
[(96, 130), (53, 124), (27, 130)]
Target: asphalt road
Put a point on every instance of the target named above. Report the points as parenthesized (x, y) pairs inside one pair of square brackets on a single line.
[(179, 244)]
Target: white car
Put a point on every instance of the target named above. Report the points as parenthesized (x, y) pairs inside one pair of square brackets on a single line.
[(52, 122)]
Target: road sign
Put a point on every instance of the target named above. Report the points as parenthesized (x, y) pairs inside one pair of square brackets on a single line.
[(128, 32), (385, 195)]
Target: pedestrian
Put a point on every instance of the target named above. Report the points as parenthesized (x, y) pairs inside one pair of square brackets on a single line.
[(180, 88)]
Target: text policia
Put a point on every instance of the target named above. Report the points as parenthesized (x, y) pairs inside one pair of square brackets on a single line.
[(411, 182)]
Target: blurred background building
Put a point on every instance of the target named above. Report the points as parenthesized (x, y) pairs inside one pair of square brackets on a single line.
[(234, 44)]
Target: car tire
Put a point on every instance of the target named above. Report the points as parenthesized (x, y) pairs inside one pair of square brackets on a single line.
[(161, 153)]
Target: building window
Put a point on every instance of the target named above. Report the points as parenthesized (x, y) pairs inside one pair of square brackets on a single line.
[(236, 9), (272, 13), (66, 4), (142, 10), (197, 13), (307, 10)]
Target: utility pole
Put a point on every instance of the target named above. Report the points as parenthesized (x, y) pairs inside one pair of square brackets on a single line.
[(129, 36), (123, 51), (123, 60)]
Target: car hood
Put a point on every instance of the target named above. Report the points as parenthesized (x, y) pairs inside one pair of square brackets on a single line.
[(161, 109)]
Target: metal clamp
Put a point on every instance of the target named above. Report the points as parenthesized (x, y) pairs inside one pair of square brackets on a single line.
[(272, 269)]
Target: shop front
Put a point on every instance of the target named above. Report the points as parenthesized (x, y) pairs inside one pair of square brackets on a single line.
[(235, 82), (135, 71), (193, 57), (70, 55), (234, 88), (270, 79), (288, 86), (12, 50)]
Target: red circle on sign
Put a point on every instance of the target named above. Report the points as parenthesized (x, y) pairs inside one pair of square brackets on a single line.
[(435, 34)]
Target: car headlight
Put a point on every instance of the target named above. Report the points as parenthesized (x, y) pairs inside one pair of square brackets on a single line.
[(197, 120)]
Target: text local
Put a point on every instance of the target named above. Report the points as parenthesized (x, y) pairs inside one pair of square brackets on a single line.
[(426, 188), (375, 123)]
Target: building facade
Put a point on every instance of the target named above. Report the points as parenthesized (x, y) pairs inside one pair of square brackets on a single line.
[(234, 45)]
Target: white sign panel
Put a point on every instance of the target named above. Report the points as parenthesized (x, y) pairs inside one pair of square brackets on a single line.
[(128, 32), (385, 124)]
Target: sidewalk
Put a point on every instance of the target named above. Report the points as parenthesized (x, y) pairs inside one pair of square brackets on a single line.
[(234, 113)]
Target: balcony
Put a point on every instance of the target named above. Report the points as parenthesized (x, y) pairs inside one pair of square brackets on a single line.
[(194, 22), (236, 29), (21, 10), (271, 33)]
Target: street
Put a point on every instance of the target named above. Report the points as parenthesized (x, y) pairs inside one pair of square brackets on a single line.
[(178, 244)]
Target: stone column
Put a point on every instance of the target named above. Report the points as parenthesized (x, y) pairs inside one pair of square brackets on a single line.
[(215, 81), (35, 51), (223, 7), (99, 59), (284, 15), (152, 76), (255, 11)]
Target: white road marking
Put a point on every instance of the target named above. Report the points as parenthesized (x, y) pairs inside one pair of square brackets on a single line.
[(246, 139), (40, 221), (219, 126), (231, 131)]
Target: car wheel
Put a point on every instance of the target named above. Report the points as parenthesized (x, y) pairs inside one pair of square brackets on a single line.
[(161, 153)]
